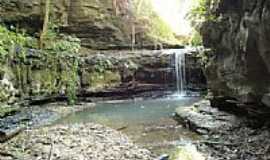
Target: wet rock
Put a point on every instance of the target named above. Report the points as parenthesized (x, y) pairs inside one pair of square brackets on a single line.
[(7, 90), (163, 157), (204, 119), (266, 99), (36, 116), (226, 136), (100, 73), (8, 134), (141, 67)]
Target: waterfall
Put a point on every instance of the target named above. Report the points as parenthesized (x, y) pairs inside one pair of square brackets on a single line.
[(180, 71)]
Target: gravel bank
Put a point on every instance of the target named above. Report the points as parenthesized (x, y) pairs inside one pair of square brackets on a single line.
[(73, 142)]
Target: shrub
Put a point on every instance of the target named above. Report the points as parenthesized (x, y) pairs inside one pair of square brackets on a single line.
[(59, 50)]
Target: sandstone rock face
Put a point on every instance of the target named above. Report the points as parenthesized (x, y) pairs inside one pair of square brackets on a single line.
[(38, 75), (42, 76), (29, 14), (239, 37), (93, 21), (96, 24), (137, 68)]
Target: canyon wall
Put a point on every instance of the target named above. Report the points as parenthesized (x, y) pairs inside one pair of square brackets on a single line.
[(95, 22), (239, 65), (100, 26), (41, 75)]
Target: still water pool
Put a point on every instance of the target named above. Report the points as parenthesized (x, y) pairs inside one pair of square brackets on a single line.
[(149, 123)]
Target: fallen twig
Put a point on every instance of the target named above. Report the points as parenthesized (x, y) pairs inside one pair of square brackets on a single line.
[(51, 152), (122, 128)]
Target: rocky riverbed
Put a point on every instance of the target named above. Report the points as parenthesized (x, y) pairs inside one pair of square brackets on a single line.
[(76, 142), (36, 116), (225, 135)]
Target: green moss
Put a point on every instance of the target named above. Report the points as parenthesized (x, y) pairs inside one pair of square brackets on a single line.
[(55, 69), (43, 81), (7, 110), (196, 39), (107, 78), (164, 61)]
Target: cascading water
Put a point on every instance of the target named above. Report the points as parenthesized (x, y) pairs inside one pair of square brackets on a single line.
[(180, 71)]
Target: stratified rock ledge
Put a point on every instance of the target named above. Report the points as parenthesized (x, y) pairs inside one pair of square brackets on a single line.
[(202, 118), (225, 135)]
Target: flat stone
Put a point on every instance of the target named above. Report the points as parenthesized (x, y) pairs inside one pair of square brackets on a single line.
[(266, 100), (203, 118)]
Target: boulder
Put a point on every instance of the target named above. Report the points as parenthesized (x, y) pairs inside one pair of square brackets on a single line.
[(204, 119), (266, 100)]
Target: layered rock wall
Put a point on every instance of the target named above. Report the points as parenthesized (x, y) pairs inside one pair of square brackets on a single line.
[(93, 21), (239, 66), (41, 75), (142, 67)]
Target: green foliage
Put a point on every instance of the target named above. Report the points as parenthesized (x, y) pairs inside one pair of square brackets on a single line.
[(60, 44), (160, 30), (7, 110), (14, 44), (196, 39), (107, 78), (148, 21), (72, 82), (201, 11), (58, 55), (66, 45), (130, 65), (102, 65)]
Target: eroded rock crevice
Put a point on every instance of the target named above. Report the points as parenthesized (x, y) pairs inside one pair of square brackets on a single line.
[(239, 66)]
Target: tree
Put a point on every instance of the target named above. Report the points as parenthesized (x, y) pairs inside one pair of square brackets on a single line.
[(45, 24), (133, 27), (120, 6)]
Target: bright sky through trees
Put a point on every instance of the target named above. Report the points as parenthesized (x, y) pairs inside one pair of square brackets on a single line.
[(173, 12)]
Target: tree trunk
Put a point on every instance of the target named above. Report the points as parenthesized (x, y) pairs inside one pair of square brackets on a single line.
[(45, 24), (133, 36)]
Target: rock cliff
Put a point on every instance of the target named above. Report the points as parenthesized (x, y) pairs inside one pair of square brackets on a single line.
[(40, 76), (239, 66), (102, 27), (100, 24), (93, 21)]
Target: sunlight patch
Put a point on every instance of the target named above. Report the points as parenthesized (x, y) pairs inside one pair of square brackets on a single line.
[(188, 152), (173, 12)]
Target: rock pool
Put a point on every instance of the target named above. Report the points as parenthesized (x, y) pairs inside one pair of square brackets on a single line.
[(148, 123)]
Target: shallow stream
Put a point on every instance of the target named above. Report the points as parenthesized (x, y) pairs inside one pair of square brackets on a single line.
[(148, 123)]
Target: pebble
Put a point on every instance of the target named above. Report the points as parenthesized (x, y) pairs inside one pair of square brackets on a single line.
[(76, 142)]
